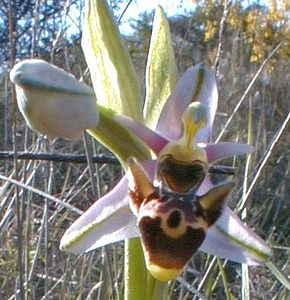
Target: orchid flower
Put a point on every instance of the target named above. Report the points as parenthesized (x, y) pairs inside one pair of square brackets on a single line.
[(183, 128), (178, 132)]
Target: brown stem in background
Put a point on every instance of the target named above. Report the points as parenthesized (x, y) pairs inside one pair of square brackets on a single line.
[(99, 159), (220, 40), (11, 24)]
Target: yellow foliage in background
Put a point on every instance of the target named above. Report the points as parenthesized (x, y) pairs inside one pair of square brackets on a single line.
[(265, 30), (262, 27)]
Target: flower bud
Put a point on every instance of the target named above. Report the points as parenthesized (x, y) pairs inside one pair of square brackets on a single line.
[(53, 102)]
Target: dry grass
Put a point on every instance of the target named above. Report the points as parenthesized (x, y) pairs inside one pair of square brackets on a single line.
[(32, 223)]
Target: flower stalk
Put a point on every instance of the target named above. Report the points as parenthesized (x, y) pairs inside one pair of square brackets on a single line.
[(135, 271)]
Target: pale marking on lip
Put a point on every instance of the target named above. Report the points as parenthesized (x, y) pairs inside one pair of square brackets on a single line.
[(174, 233)]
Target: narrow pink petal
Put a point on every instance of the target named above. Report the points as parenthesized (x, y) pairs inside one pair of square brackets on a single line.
[(152, 139), (197, 84), (229, 238), (223, 150), (107, 221)]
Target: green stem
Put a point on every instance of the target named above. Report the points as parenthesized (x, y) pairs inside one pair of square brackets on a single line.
[(156, 290), (135, 271), (139, 283)]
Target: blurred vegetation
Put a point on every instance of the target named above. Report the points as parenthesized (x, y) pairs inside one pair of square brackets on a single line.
[(234, 37)]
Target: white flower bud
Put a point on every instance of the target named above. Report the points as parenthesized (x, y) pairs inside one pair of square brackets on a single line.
[(53, 102)]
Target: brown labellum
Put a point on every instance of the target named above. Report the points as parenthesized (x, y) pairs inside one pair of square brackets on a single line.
[(179, 176), (171, 231), (172, 226)]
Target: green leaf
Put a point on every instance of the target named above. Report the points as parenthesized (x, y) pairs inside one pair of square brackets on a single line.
[(117, 139), (161, 69), (111, 69)]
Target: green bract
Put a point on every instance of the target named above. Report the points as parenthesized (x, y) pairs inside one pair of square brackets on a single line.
[(111, 69), (114, 81), (161, 69)]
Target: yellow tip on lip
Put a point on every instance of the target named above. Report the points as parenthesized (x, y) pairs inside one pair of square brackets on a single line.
[(163, 274)]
